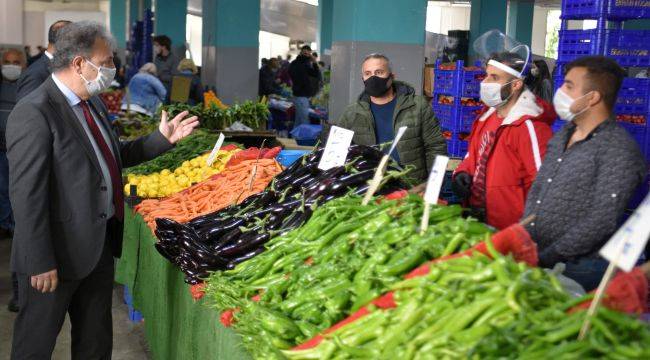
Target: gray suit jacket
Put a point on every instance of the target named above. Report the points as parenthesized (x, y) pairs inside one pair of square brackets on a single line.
[(33, 77), (56, 187)]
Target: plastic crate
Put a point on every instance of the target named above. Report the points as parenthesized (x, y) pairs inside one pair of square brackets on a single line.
[(470, 82), (468, 115), (456, 147), (288, 157), (458, 82), (573, 44), (446, 114), (634, 97), (610, 9), (627, 47)]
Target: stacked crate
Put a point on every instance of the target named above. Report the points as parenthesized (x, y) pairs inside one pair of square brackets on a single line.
[(630, 48), (456, 102)]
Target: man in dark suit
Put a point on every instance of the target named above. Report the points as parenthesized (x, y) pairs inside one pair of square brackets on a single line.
[(39, 70), (65, 163)]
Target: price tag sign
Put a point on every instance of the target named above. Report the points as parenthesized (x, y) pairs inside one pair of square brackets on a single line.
[(436, 177), (400, 132), (336, 149), (215, 149), (627, 244)]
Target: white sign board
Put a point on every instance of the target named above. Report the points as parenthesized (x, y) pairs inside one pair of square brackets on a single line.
[(627, 244), (436, 177), (215, 149), (400, 132), (336, 149)]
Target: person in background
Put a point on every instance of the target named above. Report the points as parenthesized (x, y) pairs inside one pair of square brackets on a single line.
[(28, 54), (591, 170), (166, 62), (145, 92), (268, 83), (187, 68), (283, 73), (305, 79), (384, 106), (65, 166), (539, 81), (506, 145), (39, 70), (13, 63)]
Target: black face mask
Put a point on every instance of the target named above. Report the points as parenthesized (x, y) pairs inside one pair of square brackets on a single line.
[(376, 86)]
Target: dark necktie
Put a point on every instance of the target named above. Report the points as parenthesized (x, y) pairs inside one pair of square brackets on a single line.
[(113, 169)]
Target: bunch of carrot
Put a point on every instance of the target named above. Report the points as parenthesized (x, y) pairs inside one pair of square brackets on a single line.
[(233, 185)]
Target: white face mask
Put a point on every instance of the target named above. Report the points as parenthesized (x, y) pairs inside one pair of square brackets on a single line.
[(11, 72), (562, 103), (103, 80), (491, 94)]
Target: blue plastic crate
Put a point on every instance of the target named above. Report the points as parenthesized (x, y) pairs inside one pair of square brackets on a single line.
[(628, 47), (471, 82), (456, 147), (468, 115), (446, 114), (610, 9), (458, 82), (288, 157), (444, 80), (573, 44), (634, 97)]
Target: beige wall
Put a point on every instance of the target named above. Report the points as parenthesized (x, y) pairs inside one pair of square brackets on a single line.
[(11, 22)]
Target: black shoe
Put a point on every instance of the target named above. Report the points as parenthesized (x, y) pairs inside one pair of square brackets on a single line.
[(13, 306)]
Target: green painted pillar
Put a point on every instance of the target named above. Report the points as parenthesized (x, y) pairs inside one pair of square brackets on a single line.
[(118, 22), (486, 15), (135, 12), (171, 16), (520, 20), (231, 31), (324, 35), (362, 27)]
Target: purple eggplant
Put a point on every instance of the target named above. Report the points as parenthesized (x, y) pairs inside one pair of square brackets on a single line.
[(233, 262)]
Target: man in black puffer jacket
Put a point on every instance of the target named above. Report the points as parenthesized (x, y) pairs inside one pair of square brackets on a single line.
[(306, 77)]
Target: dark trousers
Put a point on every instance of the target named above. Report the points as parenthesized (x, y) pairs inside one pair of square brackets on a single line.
[(87, 301)]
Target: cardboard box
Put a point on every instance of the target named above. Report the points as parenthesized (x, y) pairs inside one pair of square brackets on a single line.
[(428, 80)]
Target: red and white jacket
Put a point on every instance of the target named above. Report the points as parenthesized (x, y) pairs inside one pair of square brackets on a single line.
[(515, 158)]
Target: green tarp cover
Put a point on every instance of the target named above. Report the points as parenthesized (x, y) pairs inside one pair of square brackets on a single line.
[(176, 326)]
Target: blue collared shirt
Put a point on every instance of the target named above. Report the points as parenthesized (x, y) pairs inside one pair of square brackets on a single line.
[(74, 101)]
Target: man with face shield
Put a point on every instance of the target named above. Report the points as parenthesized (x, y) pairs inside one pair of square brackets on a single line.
[(65, 185), (591, 170), (508, 140), (386, 105)]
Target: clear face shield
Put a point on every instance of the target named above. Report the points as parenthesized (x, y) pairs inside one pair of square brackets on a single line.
[(503, 52)]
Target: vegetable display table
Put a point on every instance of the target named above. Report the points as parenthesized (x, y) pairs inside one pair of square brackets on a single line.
[(176, 326)]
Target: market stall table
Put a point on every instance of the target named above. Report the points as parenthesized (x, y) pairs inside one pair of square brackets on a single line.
[(176, 326)]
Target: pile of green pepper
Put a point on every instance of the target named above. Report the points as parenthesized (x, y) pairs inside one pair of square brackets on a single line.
[(478, 308), (345, 256)]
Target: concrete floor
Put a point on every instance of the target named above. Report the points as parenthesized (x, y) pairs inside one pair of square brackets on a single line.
[(128, 338)]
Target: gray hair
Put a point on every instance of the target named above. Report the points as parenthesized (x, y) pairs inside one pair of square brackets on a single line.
[(78, 39), (378, 56)]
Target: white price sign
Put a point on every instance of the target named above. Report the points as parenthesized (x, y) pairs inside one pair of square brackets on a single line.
[(336, 149), (436, 177), (627, 244), (215, 149)]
